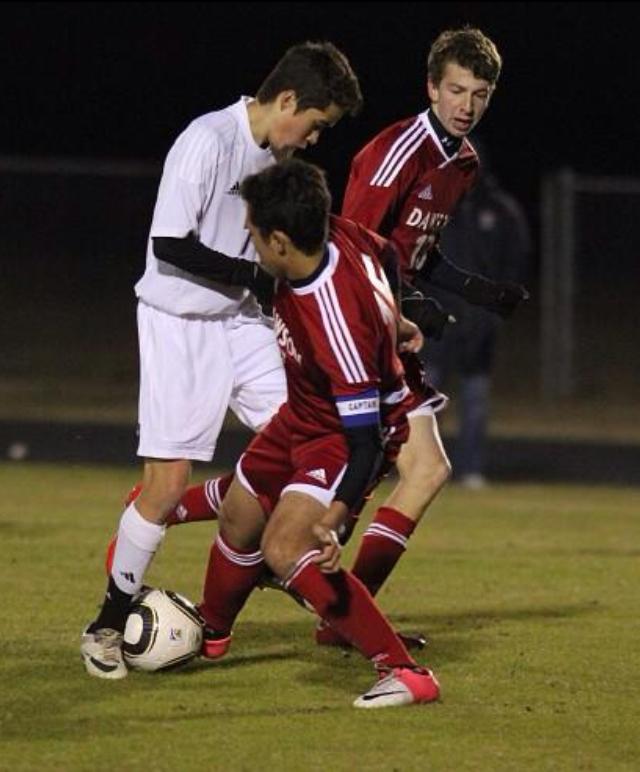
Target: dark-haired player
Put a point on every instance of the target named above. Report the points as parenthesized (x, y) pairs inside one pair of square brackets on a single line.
[(337, 327), (205, 347)]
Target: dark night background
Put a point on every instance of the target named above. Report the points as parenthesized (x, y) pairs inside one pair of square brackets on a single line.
[(119, 81)]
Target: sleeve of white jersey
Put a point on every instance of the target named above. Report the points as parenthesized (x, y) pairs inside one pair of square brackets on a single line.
[(188, 180)]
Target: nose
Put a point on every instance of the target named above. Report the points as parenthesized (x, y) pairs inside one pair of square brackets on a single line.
[(467, 104), (312, 139)]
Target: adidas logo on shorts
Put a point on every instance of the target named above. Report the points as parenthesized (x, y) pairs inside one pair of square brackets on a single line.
[(318, 474)]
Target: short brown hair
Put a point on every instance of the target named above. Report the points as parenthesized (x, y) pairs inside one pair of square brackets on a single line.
[(467, 47), (319, 73), (291, 196)]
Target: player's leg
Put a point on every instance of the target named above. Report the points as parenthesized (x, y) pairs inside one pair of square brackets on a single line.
[(180, 419), (259, 390), (198, 503), (235, 561), (290, 548), (140, 533), (423, 469), (234, 568)]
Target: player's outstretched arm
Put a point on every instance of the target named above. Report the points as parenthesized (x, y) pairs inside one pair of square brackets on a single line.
[(500, 297), (193, 256)]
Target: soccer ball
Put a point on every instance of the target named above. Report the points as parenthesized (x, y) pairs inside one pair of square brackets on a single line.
[(163, 630)]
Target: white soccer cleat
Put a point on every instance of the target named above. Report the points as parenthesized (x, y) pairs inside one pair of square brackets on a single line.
[(102, 653), (401, 686)]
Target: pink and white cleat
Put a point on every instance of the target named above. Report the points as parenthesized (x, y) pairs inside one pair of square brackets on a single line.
[(214, 643), (401, 686)]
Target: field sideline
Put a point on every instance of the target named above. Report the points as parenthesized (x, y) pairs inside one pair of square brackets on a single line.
[(529, 594)]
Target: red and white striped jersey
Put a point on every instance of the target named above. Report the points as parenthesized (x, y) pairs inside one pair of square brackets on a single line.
[(337, 336), (405, 186)]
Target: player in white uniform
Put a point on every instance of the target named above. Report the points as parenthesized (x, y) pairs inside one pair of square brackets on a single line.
[(205, 347)]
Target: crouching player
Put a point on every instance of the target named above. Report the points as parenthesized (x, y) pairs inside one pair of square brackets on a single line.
[(337, 326)]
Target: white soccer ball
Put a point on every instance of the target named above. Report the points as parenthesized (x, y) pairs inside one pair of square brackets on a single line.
[(163, 630)]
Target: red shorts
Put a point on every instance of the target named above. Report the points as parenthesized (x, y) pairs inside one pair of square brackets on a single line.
[(274, 464), (426, 398)]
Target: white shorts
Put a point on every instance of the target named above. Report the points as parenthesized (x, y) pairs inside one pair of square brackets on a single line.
[(192, 369), (430, 406)]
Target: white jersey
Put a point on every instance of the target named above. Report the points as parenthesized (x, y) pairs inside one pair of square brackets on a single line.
[(199, 194)]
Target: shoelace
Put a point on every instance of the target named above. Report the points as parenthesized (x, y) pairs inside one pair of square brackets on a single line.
[(110, 641)]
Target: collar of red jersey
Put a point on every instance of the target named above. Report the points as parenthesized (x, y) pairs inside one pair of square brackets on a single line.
[(441, 136), (316, 280)]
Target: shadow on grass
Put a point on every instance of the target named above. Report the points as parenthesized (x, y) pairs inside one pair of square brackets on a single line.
[(478, 618), (52, 697)]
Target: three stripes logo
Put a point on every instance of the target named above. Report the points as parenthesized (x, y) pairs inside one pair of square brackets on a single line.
[(128, 575), (318, 474)]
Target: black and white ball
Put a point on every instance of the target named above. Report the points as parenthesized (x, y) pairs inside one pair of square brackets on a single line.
[(163, 630)]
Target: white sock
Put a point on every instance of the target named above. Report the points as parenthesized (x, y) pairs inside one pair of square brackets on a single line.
[(138, 540)]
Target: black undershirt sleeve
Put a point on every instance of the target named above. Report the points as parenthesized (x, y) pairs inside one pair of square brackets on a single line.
[(365, 457), (441, 272), (498, 297), (193, 256)]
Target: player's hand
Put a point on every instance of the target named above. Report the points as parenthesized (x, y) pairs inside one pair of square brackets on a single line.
[(328, 561), (262, 285), (500, 297), (410, 338), (427, 313), (509, 297)]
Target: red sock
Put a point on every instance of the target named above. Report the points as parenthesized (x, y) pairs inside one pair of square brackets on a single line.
[(382, 545), (201, 502), (350, 610), (231, 576)]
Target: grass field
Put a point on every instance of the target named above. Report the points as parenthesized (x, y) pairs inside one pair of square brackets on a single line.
[(530, 596)]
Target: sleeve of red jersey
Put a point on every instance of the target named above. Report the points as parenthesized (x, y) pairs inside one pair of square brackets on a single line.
[(347, 351), (385, 252)]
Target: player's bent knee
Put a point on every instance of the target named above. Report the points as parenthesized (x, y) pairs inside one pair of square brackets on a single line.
[(443, 472), (164, 484), (281, 552), (432, 474)]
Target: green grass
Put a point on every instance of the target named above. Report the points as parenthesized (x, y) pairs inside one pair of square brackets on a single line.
[(529, 594)]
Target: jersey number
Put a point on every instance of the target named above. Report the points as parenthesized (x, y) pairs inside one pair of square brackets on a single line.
[(418, 258)]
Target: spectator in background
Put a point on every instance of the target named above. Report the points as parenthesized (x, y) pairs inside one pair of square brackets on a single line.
[(488, 234)]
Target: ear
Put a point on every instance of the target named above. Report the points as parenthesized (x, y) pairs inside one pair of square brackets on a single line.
[(287, 101), (432, 90), (280, 243)]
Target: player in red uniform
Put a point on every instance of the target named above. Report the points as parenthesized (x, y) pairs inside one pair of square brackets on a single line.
[(337, 327), (405, 183)]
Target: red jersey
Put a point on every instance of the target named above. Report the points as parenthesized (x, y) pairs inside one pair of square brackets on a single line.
[(405, 186), (337, 336)]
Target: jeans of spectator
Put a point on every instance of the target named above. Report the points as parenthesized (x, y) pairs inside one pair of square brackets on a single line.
[(471, 400)]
